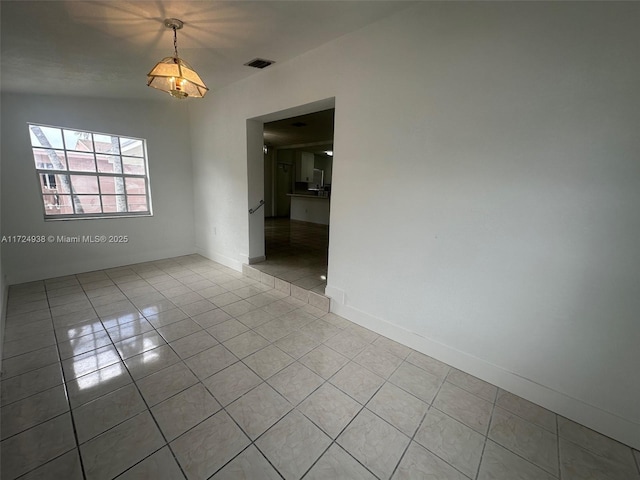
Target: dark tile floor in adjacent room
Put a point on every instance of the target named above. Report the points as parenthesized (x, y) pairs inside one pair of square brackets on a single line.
[(297, 252)]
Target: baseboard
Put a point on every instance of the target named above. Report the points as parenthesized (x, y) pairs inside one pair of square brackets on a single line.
[(222, 259), (90, 264), (336, 295), (254, 260), (607, 423)]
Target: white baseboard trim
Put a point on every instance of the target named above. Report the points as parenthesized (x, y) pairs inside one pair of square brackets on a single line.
[(607, 423), (30, 273), (222, 259), (253, 260), (336, 295)]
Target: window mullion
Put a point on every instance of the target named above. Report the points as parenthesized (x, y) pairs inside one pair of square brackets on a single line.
[(72, 194), (99, 191), (95, 160), (56, 138)]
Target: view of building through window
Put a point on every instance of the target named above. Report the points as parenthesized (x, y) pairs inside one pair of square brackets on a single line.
[(88, 174)]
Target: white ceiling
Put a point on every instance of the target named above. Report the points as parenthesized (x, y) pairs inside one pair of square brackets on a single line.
[(106, 48)]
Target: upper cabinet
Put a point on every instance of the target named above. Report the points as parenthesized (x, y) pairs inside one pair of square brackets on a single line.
[(305, 163)]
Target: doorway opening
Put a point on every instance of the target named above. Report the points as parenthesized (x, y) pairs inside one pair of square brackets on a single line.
[(297, 172)]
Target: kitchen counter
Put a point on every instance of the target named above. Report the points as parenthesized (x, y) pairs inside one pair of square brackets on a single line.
[(307, 208), (305, 195)]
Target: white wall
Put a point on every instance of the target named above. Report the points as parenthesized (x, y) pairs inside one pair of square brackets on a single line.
[(485, 191), (255, 190), (169, 232), (269, 182)]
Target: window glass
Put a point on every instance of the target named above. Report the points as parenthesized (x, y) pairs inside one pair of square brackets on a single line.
[(132, 147), (81, 141), (110, 164), (55, 204), (89, 203), (87, 174), (135, 186), (114, 203), (132, 165), (48, 137), (137, 203), (107, 143), (81, 162), (49, 159)]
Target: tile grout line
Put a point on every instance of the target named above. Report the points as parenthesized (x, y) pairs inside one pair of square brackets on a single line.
[(285, 367), (411, 439), (556, 434), (27, 372), (486, 435), (66, 391), (515, 414), (39, 423), (431, 406), (519, 455), (52, 459), (133, 382), (558, 447), (325, 381), (148, 409), (143, 399), (251, 443), (335, 440), (362, 407), (222, 408), (331, 443)]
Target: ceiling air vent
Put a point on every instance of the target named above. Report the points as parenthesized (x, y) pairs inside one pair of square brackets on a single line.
[(259, 63)]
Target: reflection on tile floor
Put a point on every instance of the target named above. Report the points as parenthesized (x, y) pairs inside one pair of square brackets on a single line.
[(297, 252), (152, 371)]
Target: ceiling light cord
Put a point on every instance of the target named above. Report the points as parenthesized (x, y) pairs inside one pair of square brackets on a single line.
[(175, 42)]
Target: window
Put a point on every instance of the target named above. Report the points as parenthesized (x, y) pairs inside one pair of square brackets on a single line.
[(49, 180), (87, 175)]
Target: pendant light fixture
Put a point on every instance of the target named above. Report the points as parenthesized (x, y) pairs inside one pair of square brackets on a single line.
[(173, 75)]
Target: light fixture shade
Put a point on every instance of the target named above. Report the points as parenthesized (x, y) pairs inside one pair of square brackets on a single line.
[(176, 77)]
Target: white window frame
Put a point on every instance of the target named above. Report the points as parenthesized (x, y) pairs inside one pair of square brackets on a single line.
[(96, 174)]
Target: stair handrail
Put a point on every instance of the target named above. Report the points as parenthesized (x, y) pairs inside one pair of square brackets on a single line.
[(253, 210)]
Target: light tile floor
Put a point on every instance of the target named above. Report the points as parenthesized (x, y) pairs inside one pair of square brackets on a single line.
[(297, 252), (149, 372)]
